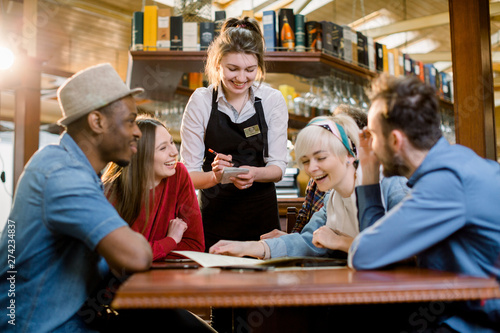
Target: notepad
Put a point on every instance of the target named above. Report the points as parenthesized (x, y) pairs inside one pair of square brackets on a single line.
[(231, 172), (218, 260)]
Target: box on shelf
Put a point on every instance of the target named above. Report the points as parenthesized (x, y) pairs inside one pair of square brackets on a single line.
[(371, 54), (190, 36), (163, 37), (314, 37), (362, 49), (327, 29), (150, 27), (430, 74), (408, 63), (419, 69), (137, 31), (350, 44), (220, 17), (176, 33), (379, 57), (337, 40), (394, 62), (195, 80), (269, 29), (206, 34), (386, 58), (300, 33)]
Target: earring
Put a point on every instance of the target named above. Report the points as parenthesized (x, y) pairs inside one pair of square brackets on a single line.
[(348, 162)]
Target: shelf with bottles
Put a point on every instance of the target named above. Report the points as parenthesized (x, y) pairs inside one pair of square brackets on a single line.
[(159, 71)]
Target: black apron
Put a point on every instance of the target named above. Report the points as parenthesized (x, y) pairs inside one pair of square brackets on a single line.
[(227, 212)]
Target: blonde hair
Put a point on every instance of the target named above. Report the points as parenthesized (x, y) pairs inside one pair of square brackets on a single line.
[(237, 36), (311, 135)]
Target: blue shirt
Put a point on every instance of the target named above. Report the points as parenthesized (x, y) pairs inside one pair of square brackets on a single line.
[(59, 215), (391, 192), (450, 221)]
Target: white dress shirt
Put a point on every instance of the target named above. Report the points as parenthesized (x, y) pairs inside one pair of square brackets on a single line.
[(197, 114)]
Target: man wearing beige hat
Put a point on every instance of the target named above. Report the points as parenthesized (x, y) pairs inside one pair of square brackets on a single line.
[(61, 226)]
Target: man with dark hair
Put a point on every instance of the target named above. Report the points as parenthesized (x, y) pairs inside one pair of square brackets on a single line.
[(61, 225), (449, 221)]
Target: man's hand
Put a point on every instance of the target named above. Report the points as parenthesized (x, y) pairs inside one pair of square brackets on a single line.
[(368, 161)]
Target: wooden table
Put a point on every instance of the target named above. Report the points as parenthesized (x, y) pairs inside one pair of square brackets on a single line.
[(172, 288), (295, 290)]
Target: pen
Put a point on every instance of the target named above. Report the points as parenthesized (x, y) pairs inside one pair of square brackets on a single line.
[(210, 150)]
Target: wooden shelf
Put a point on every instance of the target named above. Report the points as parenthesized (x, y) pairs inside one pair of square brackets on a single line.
[(312, 64), (159, 72)]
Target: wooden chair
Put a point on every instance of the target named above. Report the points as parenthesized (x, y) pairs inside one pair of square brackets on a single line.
[(291, 218)]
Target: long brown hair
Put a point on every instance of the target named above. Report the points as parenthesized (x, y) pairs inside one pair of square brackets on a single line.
[(238, 36), (128, 187)]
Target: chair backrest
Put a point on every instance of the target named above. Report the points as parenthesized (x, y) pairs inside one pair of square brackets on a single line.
[(291, 218)]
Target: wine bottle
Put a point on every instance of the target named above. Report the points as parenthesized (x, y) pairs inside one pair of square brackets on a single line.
[(287, 35)]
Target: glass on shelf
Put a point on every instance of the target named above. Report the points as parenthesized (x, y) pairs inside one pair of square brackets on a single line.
[(362, 97), (309, 99), (350, 96), (325, 99)]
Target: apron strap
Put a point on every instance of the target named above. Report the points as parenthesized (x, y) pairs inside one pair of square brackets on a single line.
[(262, 123), (260, 112)]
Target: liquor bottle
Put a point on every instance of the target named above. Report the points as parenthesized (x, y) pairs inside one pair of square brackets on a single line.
[(287, 35)]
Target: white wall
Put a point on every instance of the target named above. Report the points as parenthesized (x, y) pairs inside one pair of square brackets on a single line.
[(7, 155)]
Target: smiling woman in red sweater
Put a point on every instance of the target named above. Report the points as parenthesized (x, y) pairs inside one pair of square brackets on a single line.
[(155, 195)]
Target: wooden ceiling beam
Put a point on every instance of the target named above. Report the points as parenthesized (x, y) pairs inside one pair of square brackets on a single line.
[(446, 56), (432, 56), (98, 8), (275, 5), (420, 23)]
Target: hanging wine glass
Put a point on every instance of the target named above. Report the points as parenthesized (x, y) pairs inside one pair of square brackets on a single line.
[(334, 96), (325, 100), (343, 90), (308, 99), (362, 99), (315, 110), (350, 98)]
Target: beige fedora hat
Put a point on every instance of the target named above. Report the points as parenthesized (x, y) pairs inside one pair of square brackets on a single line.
[(91, 89)]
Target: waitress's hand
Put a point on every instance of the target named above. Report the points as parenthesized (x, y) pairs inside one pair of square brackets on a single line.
[(220, 162), (245, 180), (176, 229)]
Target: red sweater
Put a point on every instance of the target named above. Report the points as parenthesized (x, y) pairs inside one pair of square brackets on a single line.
[(175, 197)]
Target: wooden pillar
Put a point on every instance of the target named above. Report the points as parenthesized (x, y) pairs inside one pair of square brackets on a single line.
[(472, 76), (27, 94), (26, 115)]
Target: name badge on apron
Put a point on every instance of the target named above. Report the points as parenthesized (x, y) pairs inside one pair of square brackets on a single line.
[(251, 131)]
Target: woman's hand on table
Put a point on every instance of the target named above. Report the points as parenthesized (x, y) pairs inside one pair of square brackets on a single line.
[(327, 238), (273, 234), (237, 249)]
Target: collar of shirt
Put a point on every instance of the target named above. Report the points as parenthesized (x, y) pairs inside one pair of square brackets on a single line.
[(247, 108), (67, 142), (428, 164)]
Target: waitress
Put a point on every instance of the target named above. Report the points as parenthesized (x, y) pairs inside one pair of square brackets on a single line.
[(236, 122)]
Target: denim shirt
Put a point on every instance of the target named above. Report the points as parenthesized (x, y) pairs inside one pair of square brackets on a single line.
[(391, 191), (450, 221), (59, 215)]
